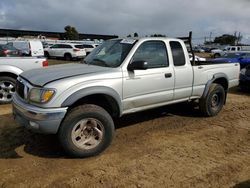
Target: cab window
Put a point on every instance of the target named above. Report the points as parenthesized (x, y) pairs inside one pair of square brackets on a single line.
[(152, 52)]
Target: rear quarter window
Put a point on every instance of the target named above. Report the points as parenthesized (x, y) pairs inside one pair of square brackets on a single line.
[(178, 53)]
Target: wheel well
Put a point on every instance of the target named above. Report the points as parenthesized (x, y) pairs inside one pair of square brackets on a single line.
[(105, 101), (67, 53), (8, 74), (223, 82)]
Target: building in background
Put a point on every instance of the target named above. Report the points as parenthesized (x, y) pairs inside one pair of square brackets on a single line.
[(12, 33)]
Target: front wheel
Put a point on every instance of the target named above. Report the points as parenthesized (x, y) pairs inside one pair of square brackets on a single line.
[(68, 57), (7, 89), (86, 131), (212, 104)]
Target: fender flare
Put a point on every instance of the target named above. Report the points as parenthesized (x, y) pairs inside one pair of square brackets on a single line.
[(93, 91), (10, 69), (208, 84)]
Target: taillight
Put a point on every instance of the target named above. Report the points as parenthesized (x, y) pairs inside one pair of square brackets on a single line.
[(76, 49), (5, 52), (45, 63)]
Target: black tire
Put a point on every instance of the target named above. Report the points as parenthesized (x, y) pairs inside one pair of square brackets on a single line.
[(6, 92), (81, 113), (217, 55), (46, 54), (67, 57), (212, 104)]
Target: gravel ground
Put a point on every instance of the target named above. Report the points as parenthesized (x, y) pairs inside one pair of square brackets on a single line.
[(167, 147)]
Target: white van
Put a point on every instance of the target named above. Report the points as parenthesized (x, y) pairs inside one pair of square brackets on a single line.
[(29, 47)]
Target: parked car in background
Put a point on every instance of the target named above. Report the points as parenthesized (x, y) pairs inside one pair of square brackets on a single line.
[(88, 48), (32, 48), (68, 51), (46, 45), (245, 78), (198, 49), (10, 68), (8, 51), (216, 53), (232, 48), (231, 57)]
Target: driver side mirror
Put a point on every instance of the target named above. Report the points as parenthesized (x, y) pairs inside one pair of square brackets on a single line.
[(138, 65)]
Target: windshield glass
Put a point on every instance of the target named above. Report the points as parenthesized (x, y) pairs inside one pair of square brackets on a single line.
[(111, 53)]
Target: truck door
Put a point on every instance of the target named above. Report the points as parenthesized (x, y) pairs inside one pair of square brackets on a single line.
[(183, 71), (142, 88)]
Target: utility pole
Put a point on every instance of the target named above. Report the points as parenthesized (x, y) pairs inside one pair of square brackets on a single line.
[(210, 37), (238, 38)]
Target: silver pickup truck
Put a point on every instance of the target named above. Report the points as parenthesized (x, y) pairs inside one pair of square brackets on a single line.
[(10, 68), (79, 101)]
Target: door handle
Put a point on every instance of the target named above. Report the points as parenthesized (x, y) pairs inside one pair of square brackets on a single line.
[(200, 67), (168, 75)]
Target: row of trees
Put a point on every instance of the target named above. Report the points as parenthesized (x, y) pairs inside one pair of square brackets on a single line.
[(226, 39), (153, 35), (72, 34)]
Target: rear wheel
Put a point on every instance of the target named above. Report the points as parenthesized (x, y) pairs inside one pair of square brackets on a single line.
[(67, 57), (7, 89), (212, 104), (86, 131), (216, 55)]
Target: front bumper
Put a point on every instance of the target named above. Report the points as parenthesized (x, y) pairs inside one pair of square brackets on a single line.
[(37, 119)]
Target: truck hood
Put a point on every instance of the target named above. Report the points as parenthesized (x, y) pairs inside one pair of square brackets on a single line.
[(42, 76)]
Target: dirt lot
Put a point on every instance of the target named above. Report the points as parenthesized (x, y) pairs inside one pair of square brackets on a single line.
[(168, 147)]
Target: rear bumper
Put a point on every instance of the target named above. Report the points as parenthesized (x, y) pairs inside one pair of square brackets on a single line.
[(37, 119)]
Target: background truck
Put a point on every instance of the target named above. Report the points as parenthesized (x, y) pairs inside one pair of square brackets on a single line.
[(229, 49), (78, 102), (32, 48), (10, 68)]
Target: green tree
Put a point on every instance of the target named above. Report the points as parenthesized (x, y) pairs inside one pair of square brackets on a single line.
[(71, 33), (157, 35), (226, 39), (136, 35)]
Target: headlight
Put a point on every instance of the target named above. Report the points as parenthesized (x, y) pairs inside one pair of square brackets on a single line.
[(41, 95), (243, 71)]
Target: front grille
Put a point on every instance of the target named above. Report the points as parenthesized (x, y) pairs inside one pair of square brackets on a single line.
[(20, 88)]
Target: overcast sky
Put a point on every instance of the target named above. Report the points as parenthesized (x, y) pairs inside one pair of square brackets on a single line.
[(122, 17)]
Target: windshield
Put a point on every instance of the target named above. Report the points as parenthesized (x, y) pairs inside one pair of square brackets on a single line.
[(111, 53)]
